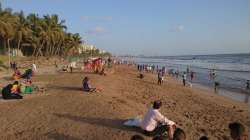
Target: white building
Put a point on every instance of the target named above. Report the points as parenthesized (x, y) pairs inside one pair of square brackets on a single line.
[(86, 47)]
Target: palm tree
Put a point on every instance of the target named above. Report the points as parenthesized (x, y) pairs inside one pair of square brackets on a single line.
[(34, 35)]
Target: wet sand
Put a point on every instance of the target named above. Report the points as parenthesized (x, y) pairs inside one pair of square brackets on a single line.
[(63, 111)]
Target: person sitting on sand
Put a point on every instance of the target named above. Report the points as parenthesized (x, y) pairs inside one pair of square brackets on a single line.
[(103, 72), (204, 138), (86, 86), (6, 93), (137, 137), (141, 75), (15, 88), (237, 131), (17, 74), (28, 74), (154, 123)]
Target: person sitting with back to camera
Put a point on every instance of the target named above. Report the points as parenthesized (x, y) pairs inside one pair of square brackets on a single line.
[(154, 123)]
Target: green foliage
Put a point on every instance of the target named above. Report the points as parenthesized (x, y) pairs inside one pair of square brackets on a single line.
[(35, 35)]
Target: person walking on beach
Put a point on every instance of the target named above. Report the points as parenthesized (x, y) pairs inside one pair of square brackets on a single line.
[(184, 78)]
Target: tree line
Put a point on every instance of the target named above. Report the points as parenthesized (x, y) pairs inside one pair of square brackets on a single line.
[(35, 35)]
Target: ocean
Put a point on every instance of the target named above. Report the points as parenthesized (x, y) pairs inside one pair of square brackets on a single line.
[(232, 70)]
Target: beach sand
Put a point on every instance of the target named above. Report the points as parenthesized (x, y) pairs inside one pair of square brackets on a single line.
[(64, 112)]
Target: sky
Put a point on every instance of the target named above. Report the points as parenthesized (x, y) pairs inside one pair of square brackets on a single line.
[(152, 27)]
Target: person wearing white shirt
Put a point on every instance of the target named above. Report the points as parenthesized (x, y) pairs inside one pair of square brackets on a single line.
[(154, 123)]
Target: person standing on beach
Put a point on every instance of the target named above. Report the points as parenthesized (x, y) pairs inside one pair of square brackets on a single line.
[(187, 69), (184, 78), (160, 78), (192, 76), (248, 84), (216, 86)]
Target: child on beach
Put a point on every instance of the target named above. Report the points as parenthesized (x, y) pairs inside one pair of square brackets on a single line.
[(154, 123)]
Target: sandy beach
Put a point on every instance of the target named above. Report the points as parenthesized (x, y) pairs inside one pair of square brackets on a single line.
[(64, 112)]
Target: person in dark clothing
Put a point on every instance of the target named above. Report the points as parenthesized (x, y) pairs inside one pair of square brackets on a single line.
[(27, 74), (160, 78), (248, 84), (86, 86), (237, 131), (192, 76), (216, 86), (6, 93), (141, 75)]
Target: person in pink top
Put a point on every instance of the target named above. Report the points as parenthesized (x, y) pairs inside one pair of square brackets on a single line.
[(154, 123)]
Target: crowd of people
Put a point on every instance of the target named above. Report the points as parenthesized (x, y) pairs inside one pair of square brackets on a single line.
[(187, 77), (22, 83)]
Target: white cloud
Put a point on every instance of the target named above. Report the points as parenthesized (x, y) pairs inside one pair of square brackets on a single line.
[(178, 28), (96, 18), (96, 31)]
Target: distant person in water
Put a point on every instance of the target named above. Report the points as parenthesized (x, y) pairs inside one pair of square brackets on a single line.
[(237, 131), (86, 85), (248, 84), (216, 86), (184, 78), (154, 123)]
